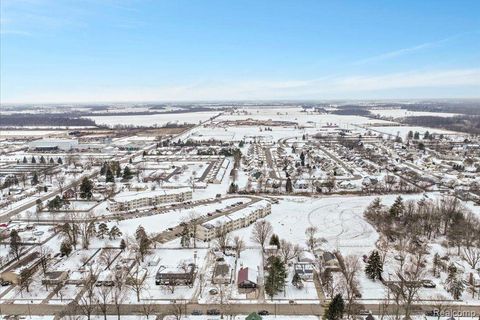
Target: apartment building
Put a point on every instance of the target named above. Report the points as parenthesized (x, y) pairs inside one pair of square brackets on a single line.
[(131, 200), (234, 221)]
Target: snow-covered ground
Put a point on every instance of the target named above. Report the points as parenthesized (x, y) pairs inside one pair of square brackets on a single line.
[(339, 220), (401, 113), (154, 119)]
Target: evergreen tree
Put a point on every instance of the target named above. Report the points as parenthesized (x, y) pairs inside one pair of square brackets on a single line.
[(123, 244), (397, 208), (185, 239), (144, 246), (102, 230), (435, 264), (114, 233), (275, 241), (426, 135), (42, 159), (33, 159), (103, 169), (109, 176), (15, 244), (118, 171), (302, 159), (416, 136), (60, 161), (51, 161), (288, 185), (374, 266), (127, 173), (35, 179), (455, 286), (335, 308), (65, 248), (410, 135), (275, 280), (140, 233), (25, 160), (297, 281), (86, 188), (233, 188), (143, 241)]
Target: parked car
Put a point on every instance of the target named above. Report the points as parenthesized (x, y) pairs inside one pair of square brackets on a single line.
[(263, 312), (197, 313), (428, 284), (213, 312)]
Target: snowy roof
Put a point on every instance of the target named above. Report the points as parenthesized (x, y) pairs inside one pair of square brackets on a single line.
[(239, 214), (247, 274), (131, 195)]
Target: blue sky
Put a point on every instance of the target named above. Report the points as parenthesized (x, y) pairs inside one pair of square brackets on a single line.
[(107, 50)]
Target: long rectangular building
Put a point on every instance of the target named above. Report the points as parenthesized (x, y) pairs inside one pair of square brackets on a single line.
[(233, 221), (129, 200)]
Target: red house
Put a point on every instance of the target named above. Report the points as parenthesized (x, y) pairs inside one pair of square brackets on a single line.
[(247, 278)]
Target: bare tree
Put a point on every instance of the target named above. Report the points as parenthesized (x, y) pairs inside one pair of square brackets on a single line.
[(239, 245), (45, 253), (288, 251), (25, 279), (410, 282), (192, 222), (170, 285), (471, 255), (107, 256), (223, 238), (148, 307), (136, 279), (177, 310), (86, 229), (87, 300), (103, 294), (61, 182), (441, 305), (351, 268), (262, 230), (311, 233), (118, 292)]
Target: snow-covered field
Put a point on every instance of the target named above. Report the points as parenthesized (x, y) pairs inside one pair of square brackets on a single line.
[(339, 220), (400, 113), (154, 119), (402, 131), (30, 133), (296, 114)]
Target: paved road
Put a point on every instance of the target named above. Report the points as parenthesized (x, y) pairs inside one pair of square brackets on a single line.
[(159, 308)]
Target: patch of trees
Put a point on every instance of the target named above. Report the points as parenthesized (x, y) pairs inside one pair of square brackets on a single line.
[(43, 119), (444, 218), (352, 112), (465, 123)]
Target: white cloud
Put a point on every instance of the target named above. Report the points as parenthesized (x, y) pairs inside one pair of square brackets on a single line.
[(406, 51)]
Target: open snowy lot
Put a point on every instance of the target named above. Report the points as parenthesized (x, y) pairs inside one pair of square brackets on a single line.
[(401, 113), (154, 119), (296, 114), (339, 220)]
